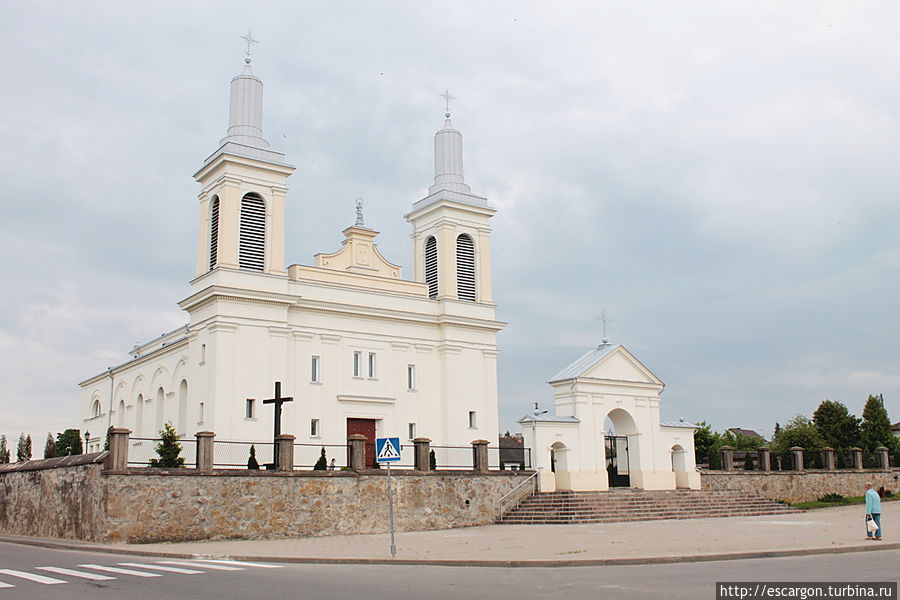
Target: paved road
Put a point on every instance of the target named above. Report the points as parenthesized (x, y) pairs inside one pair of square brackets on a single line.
[(35, 573)]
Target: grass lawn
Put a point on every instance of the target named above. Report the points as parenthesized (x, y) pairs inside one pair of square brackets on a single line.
[(840, 502)]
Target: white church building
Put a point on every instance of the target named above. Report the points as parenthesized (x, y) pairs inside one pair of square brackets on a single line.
[(359, 348)]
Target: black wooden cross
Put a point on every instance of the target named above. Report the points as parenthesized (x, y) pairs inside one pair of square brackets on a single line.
[(278, 400)]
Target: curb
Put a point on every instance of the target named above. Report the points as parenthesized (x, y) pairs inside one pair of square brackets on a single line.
[(588, 562)]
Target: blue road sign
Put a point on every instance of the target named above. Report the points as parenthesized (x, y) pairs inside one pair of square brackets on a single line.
[(387, 449)]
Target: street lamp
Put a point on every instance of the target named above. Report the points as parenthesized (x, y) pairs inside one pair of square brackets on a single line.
[(87, 436)]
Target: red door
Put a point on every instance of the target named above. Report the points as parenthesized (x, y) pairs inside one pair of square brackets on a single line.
[(364, 427)]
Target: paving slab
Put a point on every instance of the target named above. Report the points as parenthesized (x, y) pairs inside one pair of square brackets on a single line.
[(819, 531)]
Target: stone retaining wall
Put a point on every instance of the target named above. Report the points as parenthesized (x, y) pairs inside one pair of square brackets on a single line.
[(150, 505), (800, 486)]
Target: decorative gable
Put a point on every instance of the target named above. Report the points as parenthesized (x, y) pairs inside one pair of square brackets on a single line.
[(359, 255), (613, 363)]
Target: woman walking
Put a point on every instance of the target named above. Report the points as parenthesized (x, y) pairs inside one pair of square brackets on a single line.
[(873, 513)]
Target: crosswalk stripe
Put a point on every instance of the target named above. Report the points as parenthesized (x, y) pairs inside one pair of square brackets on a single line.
[(187, 563), (5, 585), (120, 571), (239, 563), (32, 577), (161, 568), (72, 573)]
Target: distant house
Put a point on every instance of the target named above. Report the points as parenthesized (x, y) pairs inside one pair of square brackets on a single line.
[(896, 428), (512, 452), (750, 433)]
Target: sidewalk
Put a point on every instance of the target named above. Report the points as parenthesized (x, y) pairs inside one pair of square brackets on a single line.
[(814, 532)]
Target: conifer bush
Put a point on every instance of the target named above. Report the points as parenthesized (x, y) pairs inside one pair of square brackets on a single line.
[(252, 464), (322, 463), (168, 449), (432, 461)]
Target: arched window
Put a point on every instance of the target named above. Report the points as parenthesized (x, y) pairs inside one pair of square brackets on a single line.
[(182, 406), (120, 419), (139, 416), (465, 268), (252, 248), (214, 234), (431, 267), (95, 408)]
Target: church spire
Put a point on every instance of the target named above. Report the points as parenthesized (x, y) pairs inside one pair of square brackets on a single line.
[(448, 156), (245, 113)]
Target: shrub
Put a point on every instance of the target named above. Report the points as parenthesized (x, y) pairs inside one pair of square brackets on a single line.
[(322, 463), (168, 449), (252, 463), (833, 498), (432, 461), (748, 462)]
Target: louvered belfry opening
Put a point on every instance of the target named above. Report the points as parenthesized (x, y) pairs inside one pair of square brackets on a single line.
[(465, 268), (252, 248), (214, 234), (431, 267)]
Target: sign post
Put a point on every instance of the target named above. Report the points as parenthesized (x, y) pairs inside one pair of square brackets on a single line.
[(387, 450)]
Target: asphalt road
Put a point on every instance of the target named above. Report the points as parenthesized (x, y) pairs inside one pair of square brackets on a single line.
[(20, 566)]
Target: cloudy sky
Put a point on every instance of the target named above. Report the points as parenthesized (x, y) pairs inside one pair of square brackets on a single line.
[(721, 177)]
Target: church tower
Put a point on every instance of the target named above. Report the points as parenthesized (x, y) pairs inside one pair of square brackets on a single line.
[(242, 203), (451, 231)]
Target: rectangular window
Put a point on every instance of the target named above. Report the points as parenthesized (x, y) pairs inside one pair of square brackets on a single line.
[(412, 431), (410, 377), (314, 370), (357, 363), (371, 365), (473, 423), (202, 353), (250, 409), (314, 428), (200, 422)]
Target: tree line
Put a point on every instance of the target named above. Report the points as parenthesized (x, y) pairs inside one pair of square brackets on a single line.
[(64, 444), (832, 425)]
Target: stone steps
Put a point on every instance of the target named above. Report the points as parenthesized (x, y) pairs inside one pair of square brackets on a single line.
[(639, 505)]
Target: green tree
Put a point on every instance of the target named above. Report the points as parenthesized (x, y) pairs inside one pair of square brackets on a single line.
[(322, 463), (799, 431), (876, 426), (50, 447), (706, 442), (4, 451), (23, 448), (739, 441), (432, 461), (252, 464), (168, 449), (838, 428), (68, 442)]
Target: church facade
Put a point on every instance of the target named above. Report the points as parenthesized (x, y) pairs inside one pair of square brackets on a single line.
[(359, 348)]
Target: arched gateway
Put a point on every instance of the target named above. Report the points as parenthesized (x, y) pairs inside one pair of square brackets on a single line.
[(607, 420)]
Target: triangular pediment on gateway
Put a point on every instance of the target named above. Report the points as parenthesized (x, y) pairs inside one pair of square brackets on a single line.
[(610, 363)]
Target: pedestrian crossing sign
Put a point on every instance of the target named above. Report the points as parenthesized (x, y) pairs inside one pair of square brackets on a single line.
[(387, 449)]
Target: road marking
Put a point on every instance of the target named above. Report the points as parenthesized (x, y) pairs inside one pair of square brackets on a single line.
[(188, 563), (72, 573), (239, 563), (161, 568), (120, 571), (5, 585), (31, 577)]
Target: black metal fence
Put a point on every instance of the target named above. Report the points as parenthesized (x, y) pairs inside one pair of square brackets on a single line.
[(812, 460)]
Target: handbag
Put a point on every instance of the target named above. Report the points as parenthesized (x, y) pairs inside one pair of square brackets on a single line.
[(871, 526)]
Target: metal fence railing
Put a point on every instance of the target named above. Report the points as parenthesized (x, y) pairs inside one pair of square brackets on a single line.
[(236, 455), (143, 450)]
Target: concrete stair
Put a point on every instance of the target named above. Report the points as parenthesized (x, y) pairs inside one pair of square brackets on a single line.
[(558, 508)]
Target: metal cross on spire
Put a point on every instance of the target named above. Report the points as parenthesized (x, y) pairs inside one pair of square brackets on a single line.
[(447, 98), (248, 37), (605, 320)]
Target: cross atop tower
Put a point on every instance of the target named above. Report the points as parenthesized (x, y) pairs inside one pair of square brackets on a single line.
[(447, 98), (248, 37), (605, 320)]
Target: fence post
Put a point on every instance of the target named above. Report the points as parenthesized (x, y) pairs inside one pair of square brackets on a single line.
[(284, 445), (422, 454), (480, 455), (765, 460), (857, 458), (726, 453), (356, 448), (117, 459), (828, 458), (884, 459), (205, 441), (797, 456)]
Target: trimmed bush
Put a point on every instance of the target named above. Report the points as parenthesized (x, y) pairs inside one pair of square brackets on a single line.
[(322, 463), (252, 464)]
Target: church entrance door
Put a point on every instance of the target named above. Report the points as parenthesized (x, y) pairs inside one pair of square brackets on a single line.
[(364, 427), (617, 461)]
